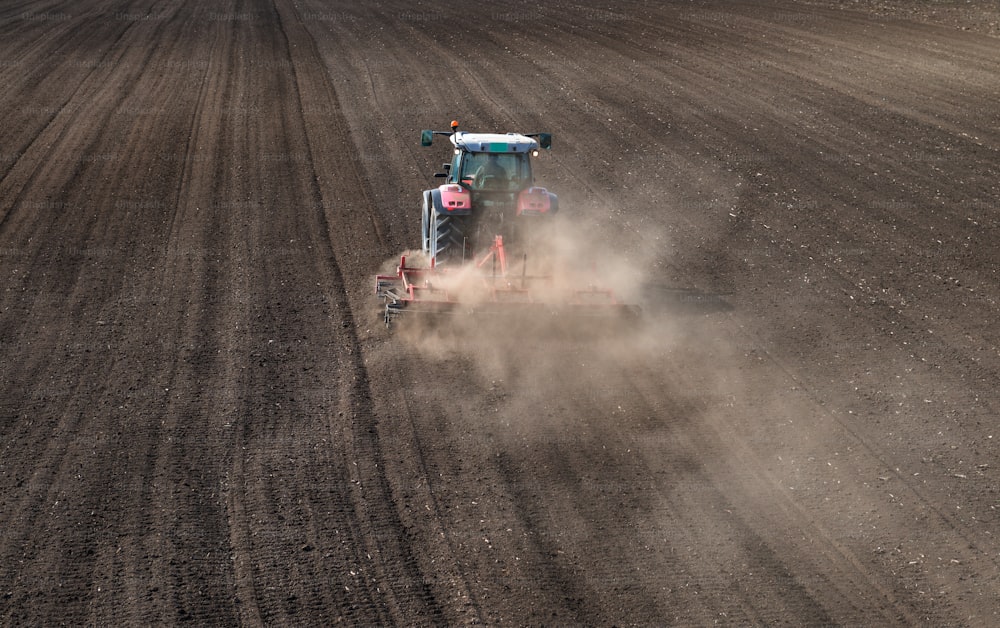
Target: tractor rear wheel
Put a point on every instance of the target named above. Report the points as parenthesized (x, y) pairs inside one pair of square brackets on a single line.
[(449, 240), (425, 224)]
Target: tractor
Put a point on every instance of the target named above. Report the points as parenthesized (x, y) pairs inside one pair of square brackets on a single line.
[(489, 191), (489, 201)]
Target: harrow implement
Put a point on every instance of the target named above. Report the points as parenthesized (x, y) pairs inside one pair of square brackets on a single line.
[(489, 286)]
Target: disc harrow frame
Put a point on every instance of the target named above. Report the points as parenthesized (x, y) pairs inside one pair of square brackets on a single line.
[(493, 289)]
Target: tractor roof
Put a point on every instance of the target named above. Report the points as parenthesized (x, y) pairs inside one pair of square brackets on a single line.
[(493, 142)]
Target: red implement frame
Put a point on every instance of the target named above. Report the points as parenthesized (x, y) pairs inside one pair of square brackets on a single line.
[(418, 289)]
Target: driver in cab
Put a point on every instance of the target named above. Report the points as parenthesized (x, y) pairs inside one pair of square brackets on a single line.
[(491, 174)]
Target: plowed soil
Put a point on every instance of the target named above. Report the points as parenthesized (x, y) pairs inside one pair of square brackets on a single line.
[(202, 417)]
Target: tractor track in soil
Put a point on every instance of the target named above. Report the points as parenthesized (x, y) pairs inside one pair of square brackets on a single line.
[(202, 418)]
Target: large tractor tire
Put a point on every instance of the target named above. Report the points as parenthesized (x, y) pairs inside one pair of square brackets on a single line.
[(425, 222), (448, 239)]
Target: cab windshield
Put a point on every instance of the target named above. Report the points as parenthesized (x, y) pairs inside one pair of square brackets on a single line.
[(496, 171)]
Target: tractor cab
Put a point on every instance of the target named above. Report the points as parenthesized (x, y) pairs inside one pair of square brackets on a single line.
[(492, 162)]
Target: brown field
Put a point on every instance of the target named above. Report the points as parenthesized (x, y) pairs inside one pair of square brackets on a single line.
[(203, 419)]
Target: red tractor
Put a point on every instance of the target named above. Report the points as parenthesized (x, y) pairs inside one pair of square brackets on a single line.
[(489, 200), (489, 192)]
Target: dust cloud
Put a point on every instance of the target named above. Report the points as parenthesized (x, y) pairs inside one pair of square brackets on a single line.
[(678, 386), (534, 361)]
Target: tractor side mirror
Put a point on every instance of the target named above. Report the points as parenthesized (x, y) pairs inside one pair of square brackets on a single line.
[(545, 140), (426, 137), (447, 167)]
